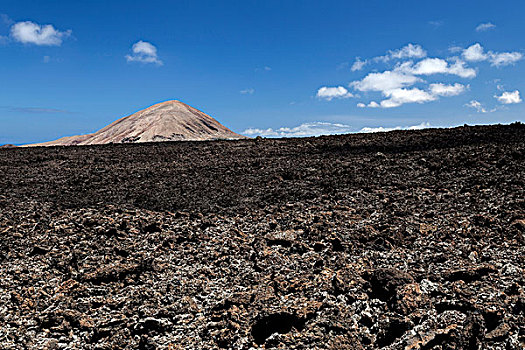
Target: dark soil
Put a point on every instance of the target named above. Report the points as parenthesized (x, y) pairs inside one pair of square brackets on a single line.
[(400, 240)]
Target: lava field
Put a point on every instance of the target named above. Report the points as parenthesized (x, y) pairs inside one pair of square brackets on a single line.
[(399, 240)]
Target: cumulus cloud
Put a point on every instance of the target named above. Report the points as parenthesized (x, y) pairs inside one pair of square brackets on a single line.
[(385, 81), (407, 79), (32, 33), (329, 93), (474, 104), (373, 104), (508, 97), (303, 130), (479, 107), (485, 26), (405, 75), (324, 128), (424, 125), (406, 52), (430, 66), (476, 53), (358, 64), (144, 52), (249, 91), (394, 84), (447, 90), (409, 51), (505, 58), (455, 49), (398, 97), (459, 69)]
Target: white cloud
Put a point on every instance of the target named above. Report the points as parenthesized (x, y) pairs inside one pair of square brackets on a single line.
[(398, 97), (32, 33), (475, 104), (409, 51), (436, 24), (394, 84), (505, 58), (358, 64), (329, 93), (475, 53), (440, 89), (479, 107), (424, 125), (249, 91), (430, 66), (398, 85), (508, 98), (306, 129), (385, 81), (324, 128), (144, 52), (485, 26), (459, 69), (401, 96)]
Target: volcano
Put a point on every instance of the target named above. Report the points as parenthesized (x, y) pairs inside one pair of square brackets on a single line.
[(166, 121)]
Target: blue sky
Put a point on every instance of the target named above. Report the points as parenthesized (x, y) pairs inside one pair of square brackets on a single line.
[(276, 68)]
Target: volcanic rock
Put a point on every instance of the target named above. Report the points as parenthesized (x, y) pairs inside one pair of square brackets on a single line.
[(192, 245)]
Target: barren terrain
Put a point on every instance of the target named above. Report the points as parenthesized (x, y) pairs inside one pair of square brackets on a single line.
[(400, 240), (166, 121)]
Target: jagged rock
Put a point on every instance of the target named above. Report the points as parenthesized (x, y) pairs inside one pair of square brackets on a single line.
[(385, 282), (202, 246)]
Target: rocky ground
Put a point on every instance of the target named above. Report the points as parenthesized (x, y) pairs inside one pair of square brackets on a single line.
[(403, 240)]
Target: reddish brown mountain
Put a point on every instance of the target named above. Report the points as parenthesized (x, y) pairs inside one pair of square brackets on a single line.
[(166, 121)]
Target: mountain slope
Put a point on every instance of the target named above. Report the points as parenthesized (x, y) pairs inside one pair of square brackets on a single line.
[(166, 121)]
